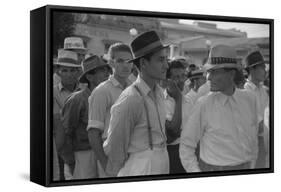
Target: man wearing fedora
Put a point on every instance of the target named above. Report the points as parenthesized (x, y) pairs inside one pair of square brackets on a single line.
[(80, 156), (104, 96), (136, 142), (255, 66), (224, 121), (68, 71)]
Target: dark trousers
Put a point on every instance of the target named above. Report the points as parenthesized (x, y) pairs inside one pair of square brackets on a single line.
[(205, 167), (61, 167), (260, 163), (174, 157)]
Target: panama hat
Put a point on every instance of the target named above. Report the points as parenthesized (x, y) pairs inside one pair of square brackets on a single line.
[(222, 56), (67, 58), (75, 44)]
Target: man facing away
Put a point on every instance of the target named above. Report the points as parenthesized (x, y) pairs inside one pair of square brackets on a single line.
[(104, 96), (136, 142), (77, 148), (225, 121)]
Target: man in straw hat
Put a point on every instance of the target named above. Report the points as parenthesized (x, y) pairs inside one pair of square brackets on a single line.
[(76, 44), (104, 96), (80, 157), (68, 71), (224, 121), (136, 142), (255, 66)]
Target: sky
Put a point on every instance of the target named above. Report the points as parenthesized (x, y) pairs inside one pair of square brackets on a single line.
[(253, 30)]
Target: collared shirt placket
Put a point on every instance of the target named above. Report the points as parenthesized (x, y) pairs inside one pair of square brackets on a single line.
[(155, 99), (239, 130)]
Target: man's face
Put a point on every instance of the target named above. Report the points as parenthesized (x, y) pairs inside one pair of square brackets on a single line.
[(121, 66), (97, 76), (156, 67), (178, 75), (258, 72), (220, 79), (69, 75)]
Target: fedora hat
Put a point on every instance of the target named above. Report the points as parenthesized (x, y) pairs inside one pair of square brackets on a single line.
[(74, 44), (253, 59), (222, 56), (91, 63), (67, 58), (145, 43)]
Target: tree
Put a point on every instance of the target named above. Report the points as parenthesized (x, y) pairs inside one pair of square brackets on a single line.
[(63, 26)]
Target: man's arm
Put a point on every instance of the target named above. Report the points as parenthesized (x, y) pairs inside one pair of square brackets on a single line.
[(190, 136), (98, 104), (96, 142), (173, 126), (124, 116)]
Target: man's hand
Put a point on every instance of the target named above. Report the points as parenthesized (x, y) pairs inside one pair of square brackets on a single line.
[(173, 90)]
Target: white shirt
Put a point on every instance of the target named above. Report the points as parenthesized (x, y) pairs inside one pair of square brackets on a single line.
[(100, 102), (227, 128), (170, 103), (261, 93)]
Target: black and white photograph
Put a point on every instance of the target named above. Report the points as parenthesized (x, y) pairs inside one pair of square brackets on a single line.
[(151, 96)]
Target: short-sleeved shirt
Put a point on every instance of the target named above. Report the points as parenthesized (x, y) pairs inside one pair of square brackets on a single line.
[(227, 128), (100, 102), (128, 129)]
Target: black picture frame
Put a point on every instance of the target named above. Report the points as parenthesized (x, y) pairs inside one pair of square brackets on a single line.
[(41, 92)]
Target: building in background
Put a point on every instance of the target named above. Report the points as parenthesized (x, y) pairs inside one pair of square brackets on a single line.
[(190, 40)]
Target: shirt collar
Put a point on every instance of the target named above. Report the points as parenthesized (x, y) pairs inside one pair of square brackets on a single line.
[(61, 87), (225, 98), (145, 89), (116, 83), (253, 86)]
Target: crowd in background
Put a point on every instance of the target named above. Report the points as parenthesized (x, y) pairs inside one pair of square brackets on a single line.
[(139, 112)]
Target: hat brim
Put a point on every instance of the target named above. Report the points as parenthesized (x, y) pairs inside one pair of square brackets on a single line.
[(82, 78), (67, 64), (151, 51), (255, 64), (209, 67)]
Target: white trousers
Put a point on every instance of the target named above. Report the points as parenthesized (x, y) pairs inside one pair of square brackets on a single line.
[(148, 162), (85, 165)]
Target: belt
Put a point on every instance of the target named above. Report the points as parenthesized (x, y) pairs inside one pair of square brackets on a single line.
[(160, 145), (208, 167)]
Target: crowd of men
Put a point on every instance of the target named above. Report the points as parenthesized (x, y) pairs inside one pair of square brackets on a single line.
[(139, 112)]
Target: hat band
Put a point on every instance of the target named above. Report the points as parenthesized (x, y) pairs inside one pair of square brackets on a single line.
[(73, 46), (223, 60), (148, 48), (67, 60)]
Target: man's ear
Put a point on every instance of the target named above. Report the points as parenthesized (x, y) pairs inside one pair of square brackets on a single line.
[(111, 63), (143, 63)]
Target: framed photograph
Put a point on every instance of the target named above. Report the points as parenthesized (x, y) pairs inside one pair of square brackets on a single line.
[(130, 95)]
